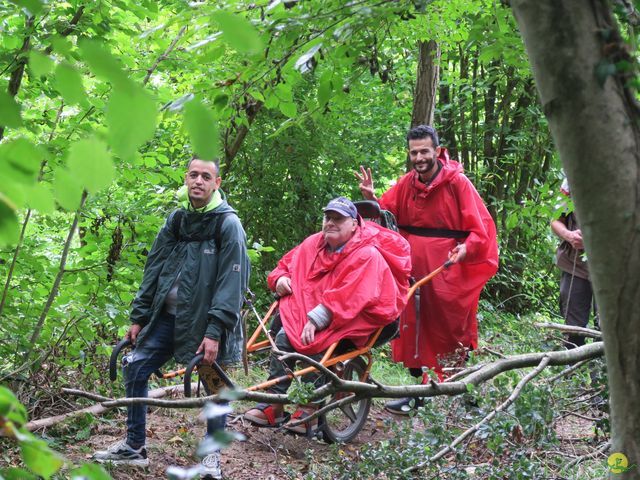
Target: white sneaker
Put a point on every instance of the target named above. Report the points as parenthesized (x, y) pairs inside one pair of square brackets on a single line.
[(211, 467), (120, 453)]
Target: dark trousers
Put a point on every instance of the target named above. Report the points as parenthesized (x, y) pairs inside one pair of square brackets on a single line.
[(277, 368), (138, 366), (576, 302)]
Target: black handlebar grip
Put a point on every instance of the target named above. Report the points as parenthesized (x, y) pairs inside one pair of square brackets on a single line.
[(196, 361), (187, 374), (113, 360)]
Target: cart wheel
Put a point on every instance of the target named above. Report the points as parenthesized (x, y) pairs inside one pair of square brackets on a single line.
[(342, 424)]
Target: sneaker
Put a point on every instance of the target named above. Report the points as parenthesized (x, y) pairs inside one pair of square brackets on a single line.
[(211, 467), (120, 453), (403, 406)]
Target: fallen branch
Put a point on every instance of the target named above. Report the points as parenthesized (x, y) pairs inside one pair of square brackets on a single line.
[(568, 370), (460, 438), (600, 450), (585, 332), (367, 390), (95, 409)]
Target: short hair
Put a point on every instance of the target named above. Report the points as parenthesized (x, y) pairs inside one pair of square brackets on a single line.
[(215, 161), (423, 131)]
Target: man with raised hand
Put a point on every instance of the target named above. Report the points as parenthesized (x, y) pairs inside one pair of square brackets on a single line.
[(440, 213), (189, 302)]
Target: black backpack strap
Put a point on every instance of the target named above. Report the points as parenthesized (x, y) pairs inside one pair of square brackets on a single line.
[(217, 235), (176, 220)]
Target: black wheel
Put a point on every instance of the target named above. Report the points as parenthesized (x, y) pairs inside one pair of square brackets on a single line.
[(342, 424)]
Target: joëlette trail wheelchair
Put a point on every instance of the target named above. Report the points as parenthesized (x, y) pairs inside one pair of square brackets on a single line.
[(340, 424)]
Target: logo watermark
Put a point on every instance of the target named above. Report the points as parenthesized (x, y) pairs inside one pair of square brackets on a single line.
[(619, 463)]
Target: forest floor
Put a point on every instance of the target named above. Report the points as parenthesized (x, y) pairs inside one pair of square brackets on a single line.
[(268, 454)]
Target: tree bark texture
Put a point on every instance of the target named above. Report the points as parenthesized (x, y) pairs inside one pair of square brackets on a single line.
[(594, 123), (428, 75)]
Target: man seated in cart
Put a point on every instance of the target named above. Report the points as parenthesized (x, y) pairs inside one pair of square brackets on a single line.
[(344, 282)]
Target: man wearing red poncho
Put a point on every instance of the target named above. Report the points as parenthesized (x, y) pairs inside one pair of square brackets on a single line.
[(442, 216), (341, 283)]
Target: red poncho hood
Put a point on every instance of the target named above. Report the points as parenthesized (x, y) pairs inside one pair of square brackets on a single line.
[(364, 286)]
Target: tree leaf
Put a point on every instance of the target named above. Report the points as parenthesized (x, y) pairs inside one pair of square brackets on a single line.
[(90, 163), (202, 128), (20, 160), (67, 189), (33, 6), (289, 109), (89, 471), (68, 82), (302, 64), (238, 32), (9, 111), (40, 459), (40, 198), (40, 63), (103, 64), (131, 118)]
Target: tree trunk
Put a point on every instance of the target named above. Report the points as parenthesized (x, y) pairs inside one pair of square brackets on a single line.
[(594, 123), (424, 97)]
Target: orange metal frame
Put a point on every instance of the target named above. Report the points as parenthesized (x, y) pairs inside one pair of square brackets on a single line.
[(253, 344)]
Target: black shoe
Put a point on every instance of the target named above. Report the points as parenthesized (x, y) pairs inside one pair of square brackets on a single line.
[(403, 406)]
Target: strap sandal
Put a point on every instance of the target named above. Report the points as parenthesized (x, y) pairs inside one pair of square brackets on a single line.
[(306, 428), (266, 415)]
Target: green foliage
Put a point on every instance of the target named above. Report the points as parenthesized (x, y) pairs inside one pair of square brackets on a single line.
[(40, 460)]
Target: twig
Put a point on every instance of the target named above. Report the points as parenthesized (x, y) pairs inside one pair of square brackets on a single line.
[(600, 450), (514, 395), (53, 293), (567, 371), (164, 55)]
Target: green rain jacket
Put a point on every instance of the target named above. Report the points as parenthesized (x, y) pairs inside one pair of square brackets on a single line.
[(211, 284)]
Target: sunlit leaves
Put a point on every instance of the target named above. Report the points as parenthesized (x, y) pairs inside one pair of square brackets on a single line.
[(90, 163), (202, 128), (238, 32), (131, 118), (9, 111), (89, 472), (69, 83)]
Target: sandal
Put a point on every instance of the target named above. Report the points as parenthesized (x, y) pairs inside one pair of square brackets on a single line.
[(305, 428), (266, 415)]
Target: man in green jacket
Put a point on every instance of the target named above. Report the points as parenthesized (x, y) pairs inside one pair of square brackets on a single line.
[(189, 302)]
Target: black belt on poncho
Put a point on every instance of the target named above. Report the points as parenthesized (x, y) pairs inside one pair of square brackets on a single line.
[(434, 232)]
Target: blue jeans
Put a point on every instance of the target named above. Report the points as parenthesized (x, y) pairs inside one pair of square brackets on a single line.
[(138, 366)]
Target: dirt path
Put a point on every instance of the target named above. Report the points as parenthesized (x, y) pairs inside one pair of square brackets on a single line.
[(173, 437)]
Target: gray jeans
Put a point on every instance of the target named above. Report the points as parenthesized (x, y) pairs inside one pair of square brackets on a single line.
[(576, 302)]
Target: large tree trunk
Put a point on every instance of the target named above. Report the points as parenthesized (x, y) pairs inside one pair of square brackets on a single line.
[(424, 97), (594, 122)]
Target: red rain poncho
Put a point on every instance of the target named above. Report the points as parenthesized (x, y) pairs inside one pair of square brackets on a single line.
[(364, 286), (449, 302)]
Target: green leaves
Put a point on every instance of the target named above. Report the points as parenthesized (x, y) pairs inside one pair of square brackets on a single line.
[(9, 111), (40, 459), (103, 64), (238, 32), (90, 164), (69, 83), (40, 63), (131, 118), (202, 128), (33, 6)]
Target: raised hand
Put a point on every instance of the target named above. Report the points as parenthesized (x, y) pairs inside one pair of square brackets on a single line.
[(366, 183)]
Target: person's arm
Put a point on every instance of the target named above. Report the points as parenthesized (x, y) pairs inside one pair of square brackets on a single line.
[(574, 237), (160, 251), (231, 279)]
